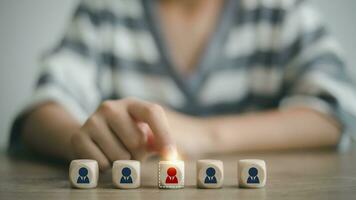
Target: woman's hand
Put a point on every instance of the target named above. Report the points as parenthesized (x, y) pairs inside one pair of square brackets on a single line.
[(117, 130)]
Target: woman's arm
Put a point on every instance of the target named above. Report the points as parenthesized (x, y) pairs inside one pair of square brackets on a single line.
[(271, 130), (48, 131)]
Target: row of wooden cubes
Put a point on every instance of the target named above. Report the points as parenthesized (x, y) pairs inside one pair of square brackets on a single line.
[(210, 174)]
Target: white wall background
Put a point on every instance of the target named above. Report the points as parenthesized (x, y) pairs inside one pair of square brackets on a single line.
[(29, 27)]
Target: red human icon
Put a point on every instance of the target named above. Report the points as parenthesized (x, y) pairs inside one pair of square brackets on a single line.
[(171, 178)]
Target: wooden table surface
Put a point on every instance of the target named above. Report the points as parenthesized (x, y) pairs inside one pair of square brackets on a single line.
[(291, 175)]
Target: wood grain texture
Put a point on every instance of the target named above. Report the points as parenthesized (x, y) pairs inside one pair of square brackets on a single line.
[(290, 175)]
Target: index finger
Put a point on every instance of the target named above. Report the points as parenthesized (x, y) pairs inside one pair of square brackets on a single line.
[(155, 117)]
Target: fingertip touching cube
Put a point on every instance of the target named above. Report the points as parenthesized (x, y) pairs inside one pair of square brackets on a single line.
[(210, 173), (252, 173), (171, 174), (126, 174), (84, 173)]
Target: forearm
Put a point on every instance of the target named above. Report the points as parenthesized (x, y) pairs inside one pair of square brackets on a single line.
[(273, 130), (48, 130)]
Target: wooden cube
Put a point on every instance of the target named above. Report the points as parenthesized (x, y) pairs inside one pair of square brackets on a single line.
[(84, 173), (210, 173), (171, 174), (252, 173), (126, 174)]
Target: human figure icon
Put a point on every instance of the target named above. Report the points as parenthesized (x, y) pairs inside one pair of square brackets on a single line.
[(210, 176), (172, 178), (253, 178), (126, 176), (83, 176)]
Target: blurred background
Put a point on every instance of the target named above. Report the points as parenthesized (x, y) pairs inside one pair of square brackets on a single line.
[(29, 27)]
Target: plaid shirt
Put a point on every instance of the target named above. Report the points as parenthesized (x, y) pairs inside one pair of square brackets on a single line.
[(263, 54)]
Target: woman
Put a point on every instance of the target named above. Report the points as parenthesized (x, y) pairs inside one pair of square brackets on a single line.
[(133, 77)]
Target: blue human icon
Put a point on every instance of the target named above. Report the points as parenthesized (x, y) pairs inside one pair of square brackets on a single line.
[(253, 178), (210, 176), (126, 176), (83, 176)]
